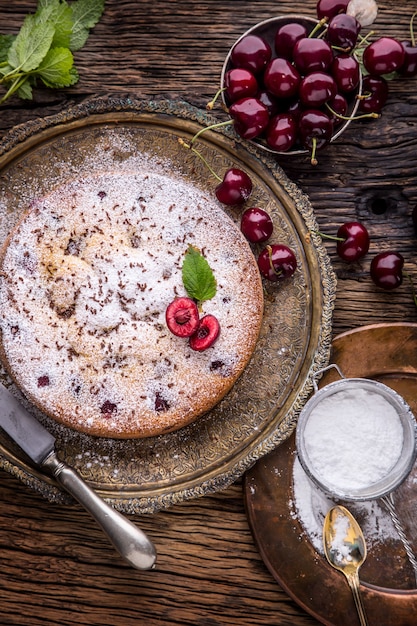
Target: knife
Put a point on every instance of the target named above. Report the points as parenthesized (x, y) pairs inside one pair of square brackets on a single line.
[(39, 444)]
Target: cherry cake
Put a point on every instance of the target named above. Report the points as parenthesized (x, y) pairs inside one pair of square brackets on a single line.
[(85, 281)]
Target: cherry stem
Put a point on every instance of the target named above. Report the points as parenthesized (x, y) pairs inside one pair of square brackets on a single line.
[(313, 159), (210, 105), (200, 156), (324, 236), (354, 117), (364, 40), (203, 130), (340, 49), (412, 37), (272, 266), (317, 27)]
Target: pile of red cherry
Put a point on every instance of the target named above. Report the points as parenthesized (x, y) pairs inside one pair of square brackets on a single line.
[(294, 93)]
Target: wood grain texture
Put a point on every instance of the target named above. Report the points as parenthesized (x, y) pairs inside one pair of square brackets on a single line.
[(56, 566)]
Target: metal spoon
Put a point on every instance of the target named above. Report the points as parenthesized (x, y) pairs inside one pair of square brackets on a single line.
[(345, 549)]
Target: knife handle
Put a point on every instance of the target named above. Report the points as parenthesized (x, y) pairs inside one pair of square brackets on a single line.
[(131, 543)]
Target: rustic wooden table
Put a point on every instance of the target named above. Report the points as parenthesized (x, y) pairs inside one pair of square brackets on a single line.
[(56, 567)]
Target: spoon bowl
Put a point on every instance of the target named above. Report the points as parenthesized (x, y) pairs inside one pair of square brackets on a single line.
[(345, 550)]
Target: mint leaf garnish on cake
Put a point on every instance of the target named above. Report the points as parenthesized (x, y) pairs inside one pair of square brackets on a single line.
[(197, 276)]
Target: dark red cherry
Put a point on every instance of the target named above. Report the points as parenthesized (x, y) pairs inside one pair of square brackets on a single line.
[(409, 67), (345, 70), (182, 317), (277, 262), (286, 37), (281, 132), (281, 78), (383, 56), (316, 89), (355, 241), (256, 224), (343, 31), (330, 8), (374, 94), (206, 334), (250, 116), (251, 52), (315, 131), (235, 187), (295, 108), (240, 83), (269, 101), (312, 55), (338, 108), (386, 270)]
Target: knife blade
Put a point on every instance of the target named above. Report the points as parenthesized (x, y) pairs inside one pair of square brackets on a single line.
[(39, 444)]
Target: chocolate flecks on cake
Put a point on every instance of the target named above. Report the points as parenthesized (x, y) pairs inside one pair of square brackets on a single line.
[(108, 408), (43, 381), (160, 403)]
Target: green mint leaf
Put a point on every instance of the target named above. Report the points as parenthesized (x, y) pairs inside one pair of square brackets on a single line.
[(197, 276), (59, 14), (5, 43), (54, 70), (85, 15), (31, 44), (25, 91), (6, 69)]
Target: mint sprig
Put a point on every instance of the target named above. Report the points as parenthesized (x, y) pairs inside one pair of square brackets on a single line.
[(197, 276), (42, 49)]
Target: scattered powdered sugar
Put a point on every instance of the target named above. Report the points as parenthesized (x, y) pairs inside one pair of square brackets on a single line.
[(310, 505), (339, 549), (353, 438)]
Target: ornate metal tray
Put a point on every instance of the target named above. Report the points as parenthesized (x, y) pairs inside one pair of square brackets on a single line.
[(145, 475)]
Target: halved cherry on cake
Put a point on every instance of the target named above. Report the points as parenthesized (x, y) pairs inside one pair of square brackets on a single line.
[(207, 333), (182, 317)]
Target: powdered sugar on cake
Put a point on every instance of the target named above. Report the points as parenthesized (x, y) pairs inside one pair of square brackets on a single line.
[(86, 279)]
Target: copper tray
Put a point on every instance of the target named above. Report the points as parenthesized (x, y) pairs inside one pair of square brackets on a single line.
[(261, 410), (384, 352)]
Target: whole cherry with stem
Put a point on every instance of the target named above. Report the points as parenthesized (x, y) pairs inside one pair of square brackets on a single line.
[(374, 94), (276, 262), (409, 67), (352, 241), (234, 188)]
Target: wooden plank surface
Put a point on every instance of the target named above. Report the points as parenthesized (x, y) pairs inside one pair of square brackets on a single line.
[(56, 566)]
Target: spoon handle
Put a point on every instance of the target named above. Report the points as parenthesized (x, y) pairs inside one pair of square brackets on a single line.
[(389, 503), (353, 580)]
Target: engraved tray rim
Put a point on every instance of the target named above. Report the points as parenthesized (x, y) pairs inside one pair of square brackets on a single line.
[(185, 118)]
